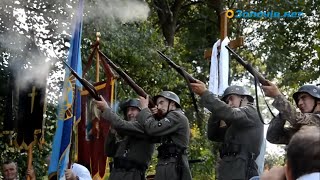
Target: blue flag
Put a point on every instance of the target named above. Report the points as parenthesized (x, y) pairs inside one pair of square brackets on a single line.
[(69, 109)]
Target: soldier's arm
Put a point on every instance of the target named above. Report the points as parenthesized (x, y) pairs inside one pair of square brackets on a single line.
[(230, 115), (277, 133), (289, 113), (118, 123), (160, 127), (215, 132)]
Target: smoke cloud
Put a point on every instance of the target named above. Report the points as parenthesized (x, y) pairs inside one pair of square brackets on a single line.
[(30, 56), (122, 10)]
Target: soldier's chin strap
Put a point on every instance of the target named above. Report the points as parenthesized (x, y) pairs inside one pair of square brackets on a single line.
[(241, 101), (315, 105), (169, 101)]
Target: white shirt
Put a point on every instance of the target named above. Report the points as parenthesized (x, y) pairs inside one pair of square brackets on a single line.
[(81, 171), (312, 176)]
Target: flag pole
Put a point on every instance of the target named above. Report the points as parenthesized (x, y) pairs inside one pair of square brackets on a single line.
[(98, 35), (30, 158)]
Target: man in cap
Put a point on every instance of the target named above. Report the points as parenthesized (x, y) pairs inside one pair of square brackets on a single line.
[(307, 99), (243, 134), (131, 152), (172, 126)]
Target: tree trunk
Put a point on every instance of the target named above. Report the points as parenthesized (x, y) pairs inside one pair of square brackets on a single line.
[(168, 16)]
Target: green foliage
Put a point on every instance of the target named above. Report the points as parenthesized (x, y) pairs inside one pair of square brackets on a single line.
[(286, 46), (272, 159)]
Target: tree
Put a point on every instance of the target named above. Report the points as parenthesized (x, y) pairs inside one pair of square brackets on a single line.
[(181, 29)]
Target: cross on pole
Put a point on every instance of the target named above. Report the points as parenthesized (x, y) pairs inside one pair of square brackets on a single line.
[(238, 42), (32, 95), (223, 34)]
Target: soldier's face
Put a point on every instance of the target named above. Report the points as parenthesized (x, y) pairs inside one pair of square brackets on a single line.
[(10, 171), (233, 100), (132, 113), (162, 104), (305, 102)]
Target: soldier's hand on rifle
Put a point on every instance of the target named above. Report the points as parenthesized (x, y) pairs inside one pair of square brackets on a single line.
[(199, 87), (102, 105), (154, 110), (144, 102), (271, 90)]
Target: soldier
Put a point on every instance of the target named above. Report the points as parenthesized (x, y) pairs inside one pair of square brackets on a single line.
[(132, 154), (243, 134), (307, 99), (173, 129)]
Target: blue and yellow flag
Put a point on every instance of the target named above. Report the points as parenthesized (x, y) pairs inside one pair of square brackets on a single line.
[(69, 109)]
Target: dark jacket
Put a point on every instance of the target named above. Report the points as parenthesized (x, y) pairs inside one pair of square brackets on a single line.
[(131, 152), (242, 137), (175, 128)]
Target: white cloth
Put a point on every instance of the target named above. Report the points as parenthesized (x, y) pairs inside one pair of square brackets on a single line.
[(219, 70), (312, 176), (81, 171)]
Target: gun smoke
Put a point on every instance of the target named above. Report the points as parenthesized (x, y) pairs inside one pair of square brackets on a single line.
[(33, 48)]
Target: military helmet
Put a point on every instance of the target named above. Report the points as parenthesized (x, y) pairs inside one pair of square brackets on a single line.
[(169, 95), (237, 90), (130, 103), (312, 90)]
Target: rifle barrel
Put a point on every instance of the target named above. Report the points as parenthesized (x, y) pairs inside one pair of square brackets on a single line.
[(249, 67), (180, 70), (128, 79), (88, 86)]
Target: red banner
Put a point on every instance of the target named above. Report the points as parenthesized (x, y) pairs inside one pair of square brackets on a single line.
[(92, 133)]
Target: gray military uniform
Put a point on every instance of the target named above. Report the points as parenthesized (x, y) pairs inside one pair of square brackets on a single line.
[(132, 154), (277, 132), (241, 139), (174, 130)]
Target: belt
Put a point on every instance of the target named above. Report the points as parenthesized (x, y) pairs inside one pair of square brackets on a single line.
[(120, 163), (170, 150)]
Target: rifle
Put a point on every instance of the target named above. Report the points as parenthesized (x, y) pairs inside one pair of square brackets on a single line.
[(88, 86), (249, 67), (127, 78), (180, 70), (186, 76)]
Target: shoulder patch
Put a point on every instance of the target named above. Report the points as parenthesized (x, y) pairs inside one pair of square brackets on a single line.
[(166, 120), (244, 107), (237, 109)]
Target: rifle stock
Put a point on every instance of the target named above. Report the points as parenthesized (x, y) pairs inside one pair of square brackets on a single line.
[(180, 70), (249, 67), (127, 78), (88, 86)]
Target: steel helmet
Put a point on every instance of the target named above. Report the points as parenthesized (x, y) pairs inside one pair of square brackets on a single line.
[(312, 90), (168, 95), (237, 90), (130, 103)]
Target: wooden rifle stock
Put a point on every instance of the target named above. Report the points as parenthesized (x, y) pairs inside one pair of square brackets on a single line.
[(88, 86), (180, 70), (128, 79), (248, 67)]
